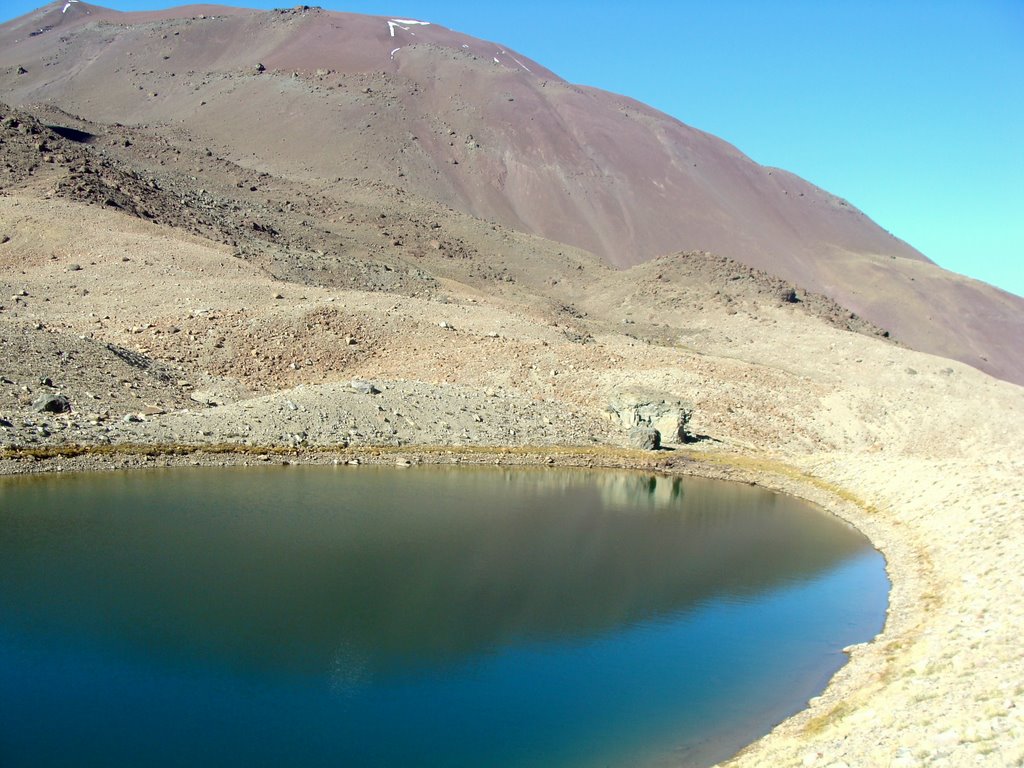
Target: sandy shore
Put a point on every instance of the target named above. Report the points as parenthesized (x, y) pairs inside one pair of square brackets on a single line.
[(942, 685)]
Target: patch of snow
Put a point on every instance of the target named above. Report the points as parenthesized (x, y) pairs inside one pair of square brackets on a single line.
[(394, 52), (517, 61), (404, 25), (496, 60), (67, 5)]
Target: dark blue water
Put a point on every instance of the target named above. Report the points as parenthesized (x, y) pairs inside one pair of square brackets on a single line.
[(419, 617)]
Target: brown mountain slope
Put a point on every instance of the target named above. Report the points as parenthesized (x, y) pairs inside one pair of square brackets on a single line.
[(317, 97)]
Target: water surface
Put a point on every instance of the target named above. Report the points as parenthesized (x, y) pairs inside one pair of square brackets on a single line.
[(421, 617)]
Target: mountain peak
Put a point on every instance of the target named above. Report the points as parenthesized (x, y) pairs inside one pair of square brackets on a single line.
[(319, 95)]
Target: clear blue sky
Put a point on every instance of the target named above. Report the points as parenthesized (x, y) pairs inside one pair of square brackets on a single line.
[(913, 110)]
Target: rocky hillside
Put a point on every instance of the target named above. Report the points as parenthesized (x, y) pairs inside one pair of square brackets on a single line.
[(166, 311), (310, 115)]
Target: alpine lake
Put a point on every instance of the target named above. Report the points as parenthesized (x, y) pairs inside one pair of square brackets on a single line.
[(428, 616)]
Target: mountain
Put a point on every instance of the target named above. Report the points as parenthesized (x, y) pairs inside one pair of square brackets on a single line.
[(329, 99), (266, 238)]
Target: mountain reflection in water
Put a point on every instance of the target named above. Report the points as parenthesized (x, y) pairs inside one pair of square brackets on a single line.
[(370, 571)]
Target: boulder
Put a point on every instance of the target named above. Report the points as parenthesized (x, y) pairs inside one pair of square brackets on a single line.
[(52, 404), (667, 414), (204, 397), (645, 438), (364, 387)]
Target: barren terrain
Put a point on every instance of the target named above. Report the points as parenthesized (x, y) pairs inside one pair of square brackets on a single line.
[(191, 304), (298, 111), (162, 338)]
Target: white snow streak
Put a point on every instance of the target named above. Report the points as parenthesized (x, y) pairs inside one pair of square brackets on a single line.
[(404, 25), (67, 5), (394, 52), (517, 61), (496, 60)]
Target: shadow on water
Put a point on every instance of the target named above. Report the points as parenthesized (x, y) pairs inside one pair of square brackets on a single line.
[(411, 569)]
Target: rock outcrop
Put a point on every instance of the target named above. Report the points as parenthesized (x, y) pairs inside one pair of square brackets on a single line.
[(662, 412)]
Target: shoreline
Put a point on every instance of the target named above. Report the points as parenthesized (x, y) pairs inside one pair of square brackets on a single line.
[(868, 667)]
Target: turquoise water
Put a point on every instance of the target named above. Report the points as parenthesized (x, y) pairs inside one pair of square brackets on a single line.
[(420, 617)]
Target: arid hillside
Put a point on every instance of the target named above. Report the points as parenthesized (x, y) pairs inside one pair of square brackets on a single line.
[(215, 295), (207, 261), (405, 109)]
